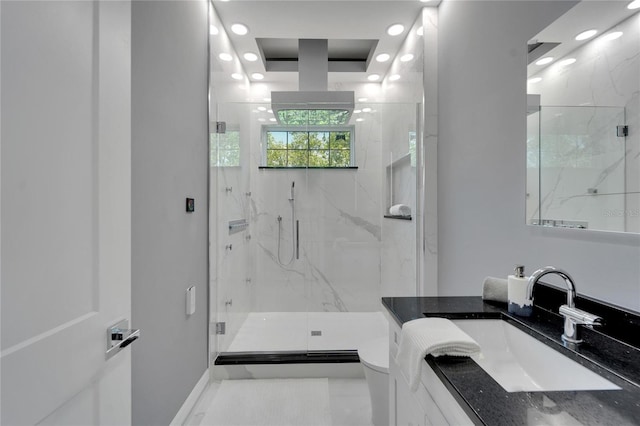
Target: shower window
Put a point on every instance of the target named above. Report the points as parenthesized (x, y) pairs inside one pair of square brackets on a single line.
[(320, 147)]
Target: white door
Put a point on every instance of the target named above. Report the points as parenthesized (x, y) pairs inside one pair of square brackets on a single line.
[(65, 210)]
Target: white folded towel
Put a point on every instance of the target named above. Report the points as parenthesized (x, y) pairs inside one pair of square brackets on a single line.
[(435, 336), (495, 289), (400, 210)]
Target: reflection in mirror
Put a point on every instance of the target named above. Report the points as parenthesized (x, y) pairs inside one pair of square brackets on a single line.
[(583, 144)]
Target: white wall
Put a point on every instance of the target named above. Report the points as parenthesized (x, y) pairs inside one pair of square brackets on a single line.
[(170, 156), (481, 162)]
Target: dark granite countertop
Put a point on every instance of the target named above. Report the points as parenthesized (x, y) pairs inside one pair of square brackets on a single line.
[(487, 403)]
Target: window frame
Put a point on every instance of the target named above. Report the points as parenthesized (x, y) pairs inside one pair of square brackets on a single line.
[(308, 129)]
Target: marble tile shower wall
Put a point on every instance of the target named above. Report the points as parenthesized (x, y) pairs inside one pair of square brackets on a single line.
[(339, 214), (399, 236), (605, 74)]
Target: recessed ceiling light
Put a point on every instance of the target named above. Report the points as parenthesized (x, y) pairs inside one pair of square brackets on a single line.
[(213, 30), (586, 35), (272, 119), (239, 29), (250, 56), (383, 57), (634, 5), (257, 76), (406, 58), (261, 119), (566, 62), (359, 119), (534, 80), (262, 109), (266, 99), (237, 76), (225, 57), (612, 36), (420, 31), (356, 111), (363, 99), (270, 111), (544, 61), (373, 77), (366, 109), (395, 29), (394, 77)]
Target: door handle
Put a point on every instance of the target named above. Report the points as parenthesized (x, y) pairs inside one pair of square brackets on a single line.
[(119, 336)]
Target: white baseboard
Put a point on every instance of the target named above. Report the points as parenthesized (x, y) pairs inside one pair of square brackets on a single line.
[(191, 401)]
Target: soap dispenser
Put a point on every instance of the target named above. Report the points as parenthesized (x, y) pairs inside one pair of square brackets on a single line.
[(517, 293)]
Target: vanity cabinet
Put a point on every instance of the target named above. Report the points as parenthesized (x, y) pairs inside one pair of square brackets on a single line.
[(430, 404)]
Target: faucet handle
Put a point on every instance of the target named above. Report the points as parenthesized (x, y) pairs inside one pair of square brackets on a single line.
[(579, 316)]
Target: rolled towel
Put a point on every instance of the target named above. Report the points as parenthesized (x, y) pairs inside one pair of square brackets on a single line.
[(495, 289), (435, 336), (400, 210)]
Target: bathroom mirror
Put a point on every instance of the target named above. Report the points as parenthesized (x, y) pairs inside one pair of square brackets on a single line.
[(583, 109)]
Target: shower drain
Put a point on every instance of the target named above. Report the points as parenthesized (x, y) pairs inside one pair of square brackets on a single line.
[(316, 333)]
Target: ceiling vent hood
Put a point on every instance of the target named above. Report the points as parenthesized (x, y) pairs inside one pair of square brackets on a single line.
[(313, 104)]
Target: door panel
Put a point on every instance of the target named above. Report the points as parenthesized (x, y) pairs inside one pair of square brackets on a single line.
[(66, 207)]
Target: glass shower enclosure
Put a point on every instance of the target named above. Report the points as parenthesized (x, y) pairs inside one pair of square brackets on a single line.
[(303, 245)]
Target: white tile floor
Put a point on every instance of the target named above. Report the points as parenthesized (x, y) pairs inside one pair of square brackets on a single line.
[(348, 399)]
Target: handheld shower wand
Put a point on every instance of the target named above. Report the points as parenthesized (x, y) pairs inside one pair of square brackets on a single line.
[(294, 233)]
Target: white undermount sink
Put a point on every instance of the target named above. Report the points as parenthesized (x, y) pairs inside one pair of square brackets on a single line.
[(520, 363)]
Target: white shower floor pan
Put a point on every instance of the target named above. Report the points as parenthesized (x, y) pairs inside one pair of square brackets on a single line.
[(308, 331)]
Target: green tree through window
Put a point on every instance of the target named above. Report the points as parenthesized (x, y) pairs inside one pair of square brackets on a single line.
[(224, 149), (314, 148)]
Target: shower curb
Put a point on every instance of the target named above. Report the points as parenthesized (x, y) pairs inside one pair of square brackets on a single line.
[(294, 357)]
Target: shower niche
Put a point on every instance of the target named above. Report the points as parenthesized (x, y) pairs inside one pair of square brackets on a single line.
[(400, 188)]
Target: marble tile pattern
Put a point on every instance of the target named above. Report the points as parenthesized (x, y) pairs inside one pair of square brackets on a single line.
[(573, 164), (605, 74), (291, 331), (339, 218)]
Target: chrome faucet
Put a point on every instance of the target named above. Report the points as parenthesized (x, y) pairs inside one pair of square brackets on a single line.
[(572, 316)]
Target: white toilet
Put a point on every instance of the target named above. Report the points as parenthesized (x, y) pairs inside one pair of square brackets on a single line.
[(374, 356)]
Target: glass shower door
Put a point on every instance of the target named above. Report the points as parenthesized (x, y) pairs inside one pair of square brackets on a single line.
[(303, 250), (230, 222)]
